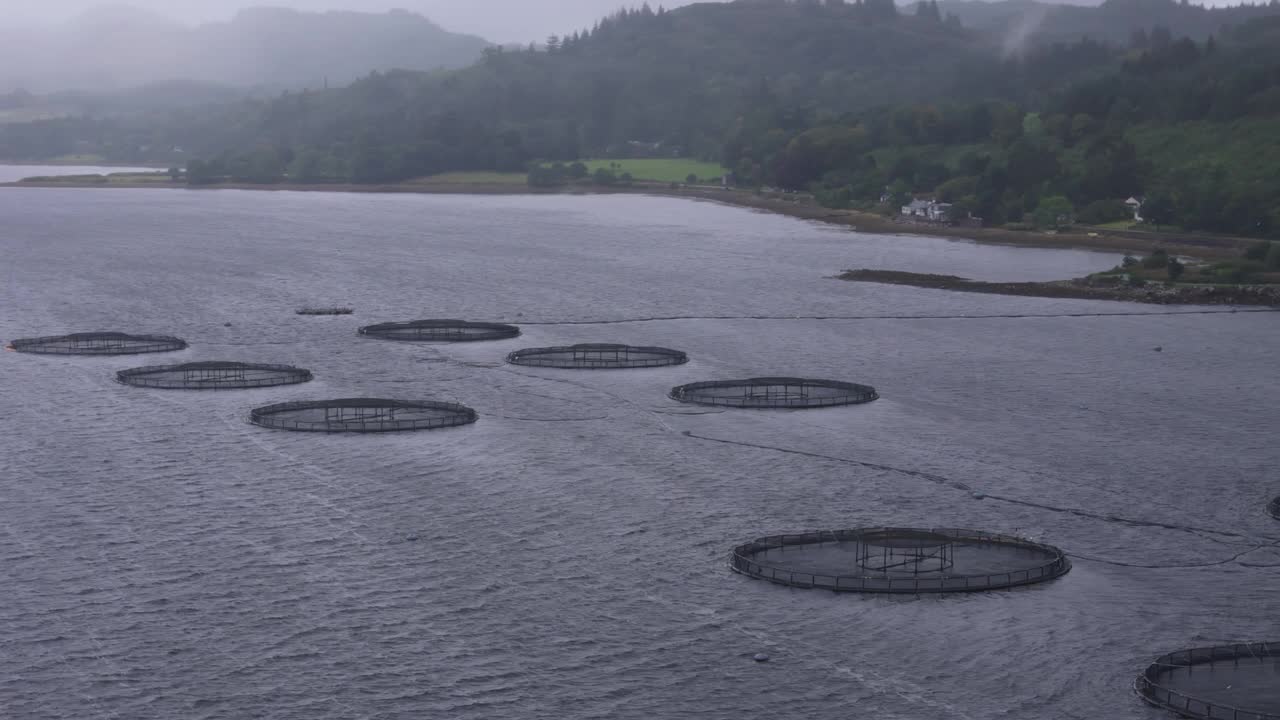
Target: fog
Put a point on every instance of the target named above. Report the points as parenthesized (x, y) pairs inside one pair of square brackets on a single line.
[(496, 20)]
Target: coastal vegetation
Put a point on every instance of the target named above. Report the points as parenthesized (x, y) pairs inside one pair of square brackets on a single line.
[(1091, 288), (864, 105), (1252, 278)]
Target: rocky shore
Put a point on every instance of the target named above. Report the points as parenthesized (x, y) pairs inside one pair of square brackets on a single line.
[(1082, 289)]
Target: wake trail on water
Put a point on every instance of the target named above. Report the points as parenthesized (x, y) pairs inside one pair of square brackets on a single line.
[(960, 485)]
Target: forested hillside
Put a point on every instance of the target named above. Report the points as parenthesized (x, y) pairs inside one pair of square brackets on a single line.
[(1027, 23), (859, 102), (1195, 127)]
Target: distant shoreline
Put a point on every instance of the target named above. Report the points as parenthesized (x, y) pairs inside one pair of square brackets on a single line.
[(69, 162), (1189, 294), (799, 206)]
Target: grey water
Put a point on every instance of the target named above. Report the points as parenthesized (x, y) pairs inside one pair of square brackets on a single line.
[(565, 557)]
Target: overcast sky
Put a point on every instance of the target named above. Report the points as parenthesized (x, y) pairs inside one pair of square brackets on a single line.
[(499, 21), (495, 20)]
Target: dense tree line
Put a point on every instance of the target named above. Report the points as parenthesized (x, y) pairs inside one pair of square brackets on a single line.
[(1078, 151)]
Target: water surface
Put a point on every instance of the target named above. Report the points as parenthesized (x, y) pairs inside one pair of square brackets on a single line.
[(565, 557)]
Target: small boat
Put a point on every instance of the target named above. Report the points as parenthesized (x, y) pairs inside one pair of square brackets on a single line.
[(325, 311)]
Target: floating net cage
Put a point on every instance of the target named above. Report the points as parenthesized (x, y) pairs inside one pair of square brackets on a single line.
[(99, 343), (899, 560), (213, 376), (362, 415), (1241, 682), (774, 392), (597, 357), (1273, 507), (324, 311), (440, 331)]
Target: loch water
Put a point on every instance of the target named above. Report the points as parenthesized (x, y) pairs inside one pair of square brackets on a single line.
[(565, 557)]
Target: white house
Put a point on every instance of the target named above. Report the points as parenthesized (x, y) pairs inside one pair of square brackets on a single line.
[(917, 208), (928, 210), (1135, 205)]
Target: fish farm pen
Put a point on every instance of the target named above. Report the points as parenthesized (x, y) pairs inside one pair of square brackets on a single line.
[(440, 331), (99, 343), (597, 356), (774, 392), (213, 376), (324, 311), (362, 415), (1273, 507), (1240, 682), (899, 560)]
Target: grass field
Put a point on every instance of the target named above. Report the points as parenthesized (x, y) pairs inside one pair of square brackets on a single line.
[(123, 178), (81, 159), (471, 178), (661, 169)]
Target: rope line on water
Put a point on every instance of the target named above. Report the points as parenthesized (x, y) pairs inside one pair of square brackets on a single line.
[(959, 485), (982, 316)]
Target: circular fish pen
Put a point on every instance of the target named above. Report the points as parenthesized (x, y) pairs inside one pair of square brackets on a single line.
[(213, 376), (597, 356), (99, 343), (774, 392), (1273, 507), (1241, 682), (362, 415), (899, 560), (440, 331)]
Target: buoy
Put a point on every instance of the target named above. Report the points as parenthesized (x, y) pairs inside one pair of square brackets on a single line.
[(1158, 348), (412, 538), (226, 324), (979, 495), (761, 657)]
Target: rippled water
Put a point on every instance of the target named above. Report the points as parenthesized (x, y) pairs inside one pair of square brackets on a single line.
[(565, 557)]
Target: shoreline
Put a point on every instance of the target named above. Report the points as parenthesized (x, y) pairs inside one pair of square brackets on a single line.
[(1206, 247), (78, 163), (1267, 296)]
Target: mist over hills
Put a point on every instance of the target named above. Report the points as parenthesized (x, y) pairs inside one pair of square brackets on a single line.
[(117, 47), (1030, 22)]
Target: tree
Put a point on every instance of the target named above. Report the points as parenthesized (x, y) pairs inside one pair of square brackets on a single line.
[(1053, 212), (928, 9), (1258, 251), (691, 178), (1100, 212), (1272, 260), (1157, 209), (1175, 269), (553, 43)]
